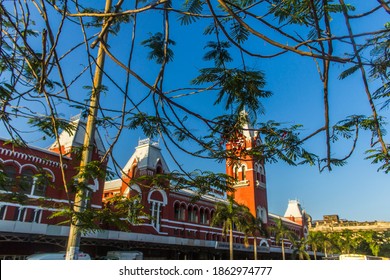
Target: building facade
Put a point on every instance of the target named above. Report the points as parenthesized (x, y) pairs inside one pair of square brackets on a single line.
[(176, 227)]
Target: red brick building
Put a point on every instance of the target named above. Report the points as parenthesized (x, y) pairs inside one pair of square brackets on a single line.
[(26, 203), (179, 228)]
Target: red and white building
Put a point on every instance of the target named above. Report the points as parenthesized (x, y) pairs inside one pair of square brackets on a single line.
[(179, 227)]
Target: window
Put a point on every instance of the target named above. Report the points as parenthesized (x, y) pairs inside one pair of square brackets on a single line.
[(156, 213), (204, 216), (10, 177), (262, 214), (179, 212), (3, 212), (236, 173), (41, 181), (260, 174), (20, 215), (243, 173), (192, 214), (26, 181)]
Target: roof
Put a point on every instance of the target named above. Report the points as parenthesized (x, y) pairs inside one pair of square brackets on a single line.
[(39, 149), (77, 138), (147, 154), (285, 220), (113, 185), (294, 209)]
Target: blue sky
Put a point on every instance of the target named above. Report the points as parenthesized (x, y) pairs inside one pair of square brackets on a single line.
[(355, 192)]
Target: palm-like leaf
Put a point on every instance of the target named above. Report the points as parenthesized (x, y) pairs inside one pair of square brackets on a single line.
[(158, 51), (282, 233), (228, 215), (191, 8), (243, 88)]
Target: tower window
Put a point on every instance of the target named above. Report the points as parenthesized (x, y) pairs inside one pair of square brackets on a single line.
[(243, 173)]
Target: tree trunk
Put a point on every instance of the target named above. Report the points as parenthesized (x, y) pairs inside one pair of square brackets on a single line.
[(73, 245), (255, 247), (231, 241), (284, 257)]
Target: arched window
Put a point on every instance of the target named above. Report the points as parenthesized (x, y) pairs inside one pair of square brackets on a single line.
[(10, 177), (204, 216), (258, 175), (193, 214), (262, 174), (262, 214), (243, 173), (236, 172), (207, 216), (157, 200), (176, 211), (40, 184), (179, 211), (27, 181)]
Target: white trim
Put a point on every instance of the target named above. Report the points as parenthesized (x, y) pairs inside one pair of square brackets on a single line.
[(166, 226), (26, 166), (5, 210), (133, 187), (53, 200), (51, 173), (95, 186), (21, 211), (11, 161), (196, 225), (34, 158), (162, 192), (37, 213)]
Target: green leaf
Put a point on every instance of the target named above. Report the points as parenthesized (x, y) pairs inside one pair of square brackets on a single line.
[(191, 9), (349, 72), (157, 43), (45, 124)]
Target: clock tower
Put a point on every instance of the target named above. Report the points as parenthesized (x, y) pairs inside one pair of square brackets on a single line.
[(250, 187)]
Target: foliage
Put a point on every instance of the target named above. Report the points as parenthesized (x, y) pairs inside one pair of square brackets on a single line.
[(299, 250), (230, 215), (158, 52), (254, 227), (369, 242), (42, 74), (281, 234), (119, 212)]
